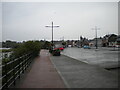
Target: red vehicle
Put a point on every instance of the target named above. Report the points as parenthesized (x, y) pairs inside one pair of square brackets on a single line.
[(60, 48)]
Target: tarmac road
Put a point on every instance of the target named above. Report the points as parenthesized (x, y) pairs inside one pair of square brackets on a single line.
[(77, 74), (103, 57)]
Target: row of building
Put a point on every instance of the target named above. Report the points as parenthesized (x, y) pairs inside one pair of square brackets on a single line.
[(109, 40)]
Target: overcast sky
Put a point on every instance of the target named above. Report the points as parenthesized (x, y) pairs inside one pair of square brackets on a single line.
[(27, 20)]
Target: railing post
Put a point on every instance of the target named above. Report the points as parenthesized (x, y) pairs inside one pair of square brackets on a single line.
[(19, 67), (23, 64), (6, 79), (28, 60), (25, 61), (31, 57), (14, 71)]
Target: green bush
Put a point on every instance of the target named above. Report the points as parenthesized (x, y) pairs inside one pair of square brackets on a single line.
[(27, 47), (6, 50)]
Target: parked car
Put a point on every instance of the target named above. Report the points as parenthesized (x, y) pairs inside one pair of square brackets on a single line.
[(56, 52), (69, 46), (86, 47), (78, 46), (117, 46), (60, 48)]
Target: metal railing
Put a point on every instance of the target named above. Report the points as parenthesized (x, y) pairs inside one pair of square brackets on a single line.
[(12, 70)]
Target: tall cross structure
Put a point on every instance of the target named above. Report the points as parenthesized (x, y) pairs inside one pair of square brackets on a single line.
[(96, 29), (52, 30)]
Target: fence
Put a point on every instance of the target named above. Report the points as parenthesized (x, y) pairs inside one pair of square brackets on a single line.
[(12, 70)]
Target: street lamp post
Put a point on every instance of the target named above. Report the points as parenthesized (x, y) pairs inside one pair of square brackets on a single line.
[(96, 29), (52, 31)]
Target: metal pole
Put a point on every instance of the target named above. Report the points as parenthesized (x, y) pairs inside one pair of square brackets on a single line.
[(52, 32), (52, 35), (96, 37)]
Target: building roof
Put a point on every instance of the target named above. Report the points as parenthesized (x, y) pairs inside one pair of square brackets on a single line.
[(118, 38)]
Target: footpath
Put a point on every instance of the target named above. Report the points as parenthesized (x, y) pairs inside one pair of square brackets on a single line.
[(42, 74)]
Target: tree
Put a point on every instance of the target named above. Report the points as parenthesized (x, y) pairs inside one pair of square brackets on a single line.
[(46, 45)]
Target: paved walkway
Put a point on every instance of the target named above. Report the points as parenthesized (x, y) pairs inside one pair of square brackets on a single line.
[(42, 74)]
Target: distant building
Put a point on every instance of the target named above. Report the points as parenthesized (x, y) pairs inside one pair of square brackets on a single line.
[(118, 41), (109, 40), (93, 42), (84, 41), (105, 42), (71, 42), (57, 43)]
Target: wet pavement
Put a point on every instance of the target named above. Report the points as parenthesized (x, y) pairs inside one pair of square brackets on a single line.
[(42, 74), (49, 71), (103, 57), (77, 74)]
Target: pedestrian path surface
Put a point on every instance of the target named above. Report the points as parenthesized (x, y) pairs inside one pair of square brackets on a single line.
[(42, 74), (77, 74)]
